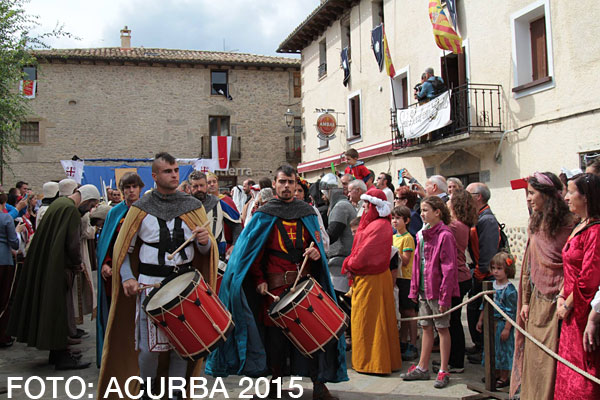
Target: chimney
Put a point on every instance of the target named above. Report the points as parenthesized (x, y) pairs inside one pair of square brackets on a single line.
[(125, 38)]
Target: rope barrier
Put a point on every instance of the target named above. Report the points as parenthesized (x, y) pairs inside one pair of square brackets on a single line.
[(539, 344), (515, 325), (478, 295)]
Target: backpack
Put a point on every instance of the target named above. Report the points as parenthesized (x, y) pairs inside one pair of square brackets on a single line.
[(503, 244), (439, 86)]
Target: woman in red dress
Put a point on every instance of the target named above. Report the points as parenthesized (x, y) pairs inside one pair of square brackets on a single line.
[(581, 261)]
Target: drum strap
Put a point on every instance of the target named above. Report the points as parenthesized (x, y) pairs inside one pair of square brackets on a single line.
[(166, 242), (294, 252)]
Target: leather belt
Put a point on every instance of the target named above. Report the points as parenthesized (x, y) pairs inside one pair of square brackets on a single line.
[(164, 270), (275, 280)]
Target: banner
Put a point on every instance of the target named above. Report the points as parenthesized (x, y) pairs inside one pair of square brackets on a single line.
[(345, 66), (221, 149), (418, 121), (73, 169), (206, 165), (27, 89)]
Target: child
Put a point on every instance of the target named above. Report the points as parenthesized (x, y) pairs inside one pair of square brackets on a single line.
[(503, 269), (355, 168), (405, 244), (434, 282)]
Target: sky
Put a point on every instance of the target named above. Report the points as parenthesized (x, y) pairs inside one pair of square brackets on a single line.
[(247, 26)]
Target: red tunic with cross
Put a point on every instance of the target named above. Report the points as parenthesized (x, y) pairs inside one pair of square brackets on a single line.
[(269, 263)]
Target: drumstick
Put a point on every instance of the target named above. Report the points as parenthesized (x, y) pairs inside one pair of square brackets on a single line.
[(143, 286), (172, 255), (276, 298), (312, 244)]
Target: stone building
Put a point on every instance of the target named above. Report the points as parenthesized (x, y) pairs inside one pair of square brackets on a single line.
[(132, 102), (523, 97)]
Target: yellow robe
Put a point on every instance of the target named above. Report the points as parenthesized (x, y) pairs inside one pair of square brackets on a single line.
[(119, 357)]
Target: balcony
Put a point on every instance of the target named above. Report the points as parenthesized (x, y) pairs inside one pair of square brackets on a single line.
[(293, 152), (476, 115), (236, 148)]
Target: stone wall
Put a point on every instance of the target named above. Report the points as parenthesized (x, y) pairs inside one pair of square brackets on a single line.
[(130, 111)]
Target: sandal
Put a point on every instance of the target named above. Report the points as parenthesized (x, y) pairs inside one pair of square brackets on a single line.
[(501, 384)]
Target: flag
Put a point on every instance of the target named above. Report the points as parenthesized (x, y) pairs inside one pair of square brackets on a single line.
[(451, 4), (345, 66), (221, 149), (27, 89), (377, 44), (389, 67), (73, 169), (206, 165), (446, 37)]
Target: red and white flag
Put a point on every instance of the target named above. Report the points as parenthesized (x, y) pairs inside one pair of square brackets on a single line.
[(73, 169), (206, 165), (221, 149), (27, 89)]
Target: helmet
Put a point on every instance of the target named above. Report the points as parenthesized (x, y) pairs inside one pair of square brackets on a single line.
[(330, 181)]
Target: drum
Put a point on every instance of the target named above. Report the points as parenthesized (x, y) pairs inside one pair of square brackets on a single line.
[(190, 313), (308, 317)]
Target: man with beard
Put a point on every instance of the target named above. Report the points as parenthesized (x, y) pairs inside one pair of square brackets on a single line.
[(154, 227), (219, 211), (267, 258), (43, 301), (131, 185)]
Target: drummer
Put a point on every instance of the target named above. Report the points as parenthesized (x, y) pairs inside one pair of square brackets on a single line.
[(219, 211), (154, 227), (267, 257)]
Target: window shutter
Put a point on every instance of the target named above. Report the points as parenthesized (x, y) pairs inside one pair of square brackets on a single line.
[(539, 60)]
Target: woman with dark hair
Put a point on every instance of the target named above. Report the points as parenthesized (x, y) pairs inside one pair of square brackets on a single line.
[(581, 258), (302, 190), (408, 198), (464, 216), (541, 280)]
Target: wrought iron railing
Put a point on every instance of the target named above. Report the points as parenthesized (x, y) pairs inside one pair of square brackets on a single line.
[(236, 148), (474, 108), (293, 149)]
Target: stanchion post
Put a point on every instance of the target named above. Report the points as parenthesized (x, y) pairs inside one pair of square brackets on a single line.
[(488, 341)]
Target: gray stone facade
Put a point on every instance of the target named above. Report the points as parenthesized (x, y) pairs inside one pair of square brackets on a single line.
[(107, 108)]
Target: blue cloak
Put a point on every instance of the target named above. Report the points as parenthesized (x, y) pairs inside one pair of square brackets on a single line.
[(108, 232), (244, 353)]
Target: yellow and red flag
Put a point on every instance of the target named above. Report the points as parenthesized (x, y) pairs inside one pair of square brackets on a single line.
[(389, 67), (445, 36)]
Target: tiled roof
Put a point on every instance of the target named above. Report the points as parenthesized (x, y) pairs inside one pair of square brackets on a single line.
[(142, 54), (315, 24)]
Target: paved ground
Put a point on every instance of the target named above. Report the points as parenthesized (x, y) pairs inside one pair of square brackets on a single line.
[(23, 362)]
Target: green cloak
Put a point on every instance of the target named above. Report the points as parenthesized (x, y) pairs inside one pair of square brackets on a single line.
[(39, 311)]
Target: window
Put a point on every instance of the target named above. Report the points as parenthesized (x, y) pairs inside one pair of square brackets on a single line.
[(218, 126), (322, 58), (345, 24), (400, 89), (30, 132), (354, 117), (377, 12), (532, 49), (30, 73), (218, 83), (297, 84)]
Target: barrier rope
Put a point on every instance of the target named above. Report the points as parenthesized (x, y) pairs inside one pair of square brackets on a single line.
[(541, 345), (478, 295), (515, 325)]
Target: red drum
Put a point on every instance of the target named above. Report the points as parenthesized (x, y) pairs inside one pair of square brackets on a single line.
[(190, 313), (308, 316)]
